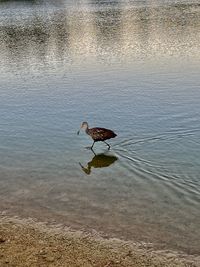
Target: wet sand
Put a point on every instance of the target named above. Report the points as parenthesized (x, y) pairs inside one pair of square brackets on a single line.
[(29, 243)]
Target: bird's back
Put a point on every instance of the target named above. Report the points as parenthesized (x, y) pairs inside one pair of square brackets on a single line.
[(101, 134)]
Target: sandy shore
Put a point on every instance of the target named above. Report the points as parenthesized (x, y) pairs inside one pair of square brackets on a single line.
[(28, 243)]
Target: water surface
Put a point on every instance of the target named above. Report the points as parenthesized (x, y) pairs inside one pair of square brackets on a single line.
[(132, 66)]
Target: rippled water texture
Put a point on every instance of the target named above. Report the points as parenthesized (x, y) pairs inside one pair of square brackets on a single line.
[(131, 66)]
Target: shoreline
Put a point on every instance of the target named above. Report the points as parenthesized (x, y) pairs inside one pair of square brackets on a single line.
[(25, 242)]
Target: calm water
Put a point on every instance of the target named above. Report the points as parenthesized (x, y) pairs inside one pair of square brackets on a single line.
[(132, 66)]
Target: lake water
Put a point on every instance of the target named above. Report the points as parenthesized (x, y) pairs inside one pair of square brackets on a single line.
[(131, 66)]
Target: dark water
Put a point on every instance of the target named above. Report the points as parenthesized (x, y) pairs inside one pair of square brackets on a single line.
[(132, 66)]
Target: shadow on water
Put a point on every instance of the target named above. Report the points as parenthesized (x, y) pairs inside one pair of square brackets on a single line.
[(99, 161)]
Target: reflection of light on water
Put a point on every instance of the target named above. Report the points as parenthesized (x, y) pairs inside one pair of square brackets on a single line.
[(109, 34)]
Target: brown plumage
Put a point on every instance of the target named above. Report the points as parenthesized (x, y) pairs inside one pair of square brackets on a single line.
[(98, 134)]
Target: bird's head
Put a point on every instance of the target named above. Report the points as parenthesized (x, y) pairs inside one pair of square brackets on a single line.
[(84, 126)]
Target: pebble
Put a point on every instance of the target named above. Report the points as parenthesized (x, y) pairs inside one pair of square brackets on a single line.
[(2, 240), (50, 259)]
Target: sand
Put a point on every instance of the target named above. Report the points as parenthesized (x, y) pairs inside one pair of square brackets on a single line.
[(29, 243)]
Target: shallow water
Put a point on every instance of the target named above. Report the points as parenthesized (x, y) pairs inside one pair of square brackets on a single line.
[(131, 66)]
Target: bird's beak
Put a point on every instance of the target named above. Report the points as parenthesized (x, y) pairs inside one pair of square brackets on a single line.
[(78, 132)]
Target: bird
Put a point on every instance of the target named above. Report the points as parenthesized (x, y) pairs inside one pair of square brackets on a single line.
[(98, 134)]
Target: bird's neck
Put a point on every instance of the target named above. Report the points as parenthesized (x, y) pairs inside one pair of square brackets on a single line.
[(87, 130)]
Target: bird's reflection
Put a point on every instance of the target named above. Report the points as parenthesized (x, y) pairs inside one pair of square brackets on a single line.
[(99, 161)]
